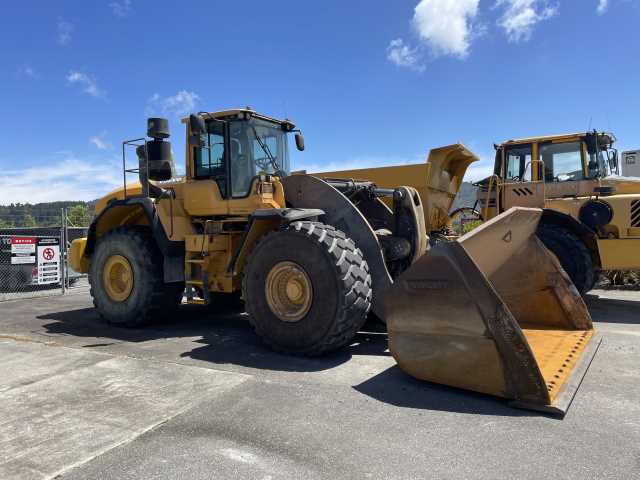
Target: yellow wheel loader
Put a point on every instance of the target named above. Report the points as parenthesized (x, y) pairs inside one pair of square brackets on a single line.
[(591, 217), (491, 311)]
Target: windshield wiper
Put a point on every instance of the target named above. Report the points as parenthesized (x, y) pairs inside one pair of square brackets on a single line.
[(265, 149)]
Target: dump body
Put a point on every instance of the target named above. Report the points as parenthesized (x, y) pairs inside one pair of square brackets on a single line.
[(437, 181), (504, 320)]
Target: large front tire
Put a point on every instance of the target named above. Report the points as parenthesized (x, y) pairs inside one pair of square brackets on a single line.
[(572, 253), (307, 289), (127, 280)]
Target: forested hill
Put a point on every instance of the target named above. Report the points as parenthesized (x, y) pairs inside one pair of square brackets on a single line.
[(45, 214), (466, 196)]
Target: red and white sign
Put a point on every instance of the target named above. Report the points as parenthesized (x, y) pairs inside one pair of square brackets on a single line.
[(48, 261), (23, 250)]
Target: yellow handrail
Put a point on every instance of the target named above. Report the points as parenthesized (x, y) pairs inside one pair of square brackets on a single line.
[(485, 213)]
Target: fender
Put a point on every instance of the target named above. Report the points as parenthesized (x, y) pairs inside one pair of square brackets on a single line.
[(116, 210), (580, 230), (307, 191), (261, 222)]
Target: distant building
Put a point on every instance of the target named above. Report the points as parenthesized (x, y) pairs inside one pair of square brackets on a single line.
[(630, 163)]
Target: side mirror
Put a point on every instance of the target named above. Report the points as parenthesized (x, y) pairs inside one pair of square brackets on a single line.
[(196, 124), (196, 141), (197, 128), (613, 162), (300, 142)]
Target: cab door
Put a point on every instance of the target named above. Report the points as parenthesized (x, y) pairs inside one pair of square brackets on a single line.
[(207, 186), (518, 188)]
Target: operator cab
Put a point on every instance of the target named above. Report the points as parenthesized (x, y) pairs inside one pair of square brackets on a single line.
[(234, 148), (572, 157)]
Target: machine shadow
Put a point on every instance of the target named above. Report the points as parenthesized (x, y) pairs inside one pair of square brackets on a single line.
[(609, 310), (396, 388), (226, 337)]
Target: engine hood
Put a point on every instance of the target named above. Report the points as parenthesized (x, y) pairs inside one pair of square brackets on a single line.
[(623, 185)]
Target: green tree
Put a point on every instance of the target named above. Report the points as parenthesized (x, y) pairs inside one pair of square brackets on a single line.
[(79, 216), (5, 224), (28, 221)]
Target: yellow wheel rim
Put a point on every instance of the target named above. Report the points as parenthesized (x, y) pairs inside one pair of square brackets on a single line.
[(289, 291), (117, 278)]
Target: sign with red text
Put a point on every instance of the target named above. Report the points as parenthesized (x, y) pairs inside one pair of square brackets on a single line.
[(23, 250)]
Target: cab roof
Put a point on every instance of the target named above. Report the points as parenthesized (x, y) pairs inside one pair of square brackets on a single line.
[(234, 112), (550, 138)]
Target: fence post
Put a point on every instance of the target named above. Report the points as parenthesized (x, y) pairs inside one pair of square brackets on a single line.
[(63, 250)]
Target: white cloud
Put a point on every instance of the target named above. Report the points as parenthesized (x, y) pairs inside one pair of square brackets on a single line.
[(521, 16), (122, 8), (100, 142), (403, 55), (603, 6), (88, 83), (479, 170), (180, 104), (65, 30), (446, 26), (27, 71), (69, 178)]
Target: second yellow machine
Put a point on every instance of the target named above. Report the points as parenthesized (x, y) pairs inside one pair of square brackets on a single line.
[(491, 311)]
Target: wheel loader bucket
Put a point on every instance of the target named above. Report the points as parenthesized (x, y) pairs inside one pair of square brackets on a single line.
[(493, 312)]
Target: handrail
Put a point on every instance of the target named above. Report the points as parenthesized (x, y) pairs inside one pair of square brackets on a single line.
[(485, 213), (542, 179), (135, 143)]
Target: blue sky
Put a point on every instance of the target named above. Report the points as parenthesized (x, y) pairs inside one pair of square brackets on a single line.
[(369, 82)]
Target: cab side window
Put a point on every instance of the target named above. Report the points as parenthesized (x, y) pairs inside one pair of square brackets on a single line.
[(562, 161), (518, 163), (210, 158)]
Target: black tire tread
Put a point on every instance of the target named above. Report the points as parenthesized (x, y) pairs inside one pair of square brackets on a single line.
[(569, 248), (356, 293), (163, 299)]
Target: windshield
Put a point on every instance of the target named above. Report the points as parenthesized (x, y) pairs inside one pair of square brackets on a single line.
[(256, 147), (562, 161)]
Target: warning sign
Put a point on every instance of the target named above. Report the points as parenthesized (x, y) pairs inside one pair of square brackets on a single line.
[(23, 250), (48, 254)]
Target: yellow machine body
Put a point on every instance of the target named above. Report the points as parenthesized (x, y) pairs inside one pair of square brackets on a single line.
[(616, 244), (491, 311), (194, 205)]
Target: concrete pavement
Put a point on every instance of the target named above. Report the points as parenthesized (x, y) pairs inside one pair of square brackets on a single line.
[(202, 398)]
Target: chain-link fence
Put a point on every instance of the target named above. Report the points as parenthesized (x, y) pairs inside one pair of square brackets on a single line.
[(34, 260), (30, 263), (72, 279)]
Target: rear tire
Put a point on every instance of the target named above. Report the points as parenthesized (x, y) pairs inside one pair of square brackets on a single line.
[(149, 296), (325, 263), (572, 253)]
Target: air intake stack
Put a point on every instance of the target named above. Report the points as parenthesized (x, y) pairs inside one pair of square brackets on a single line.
[(159, 165)]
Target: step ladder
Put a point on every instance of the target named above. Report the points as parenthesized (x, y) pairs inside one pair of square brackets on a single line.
[(201, 282)]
